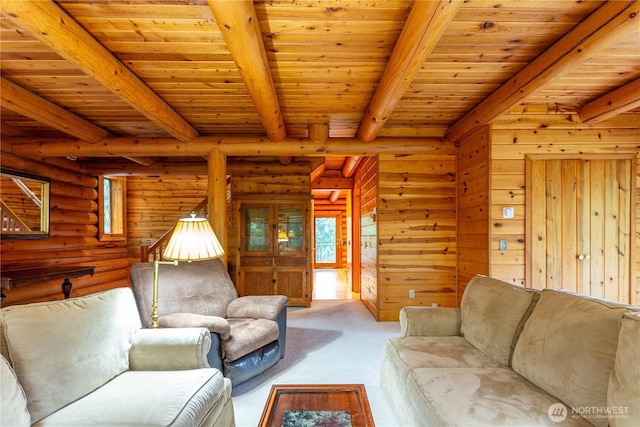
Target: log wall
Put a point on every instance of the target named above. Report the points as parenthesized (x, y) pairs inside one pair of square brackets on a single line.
[(73, 236)]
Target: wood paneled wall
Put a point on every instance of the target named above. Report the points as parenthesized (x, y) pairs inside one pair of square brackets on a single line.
[(155, 204), (512, 139), (417, 230), (473, 207), (409, 241), (366, 190), (73, 238)]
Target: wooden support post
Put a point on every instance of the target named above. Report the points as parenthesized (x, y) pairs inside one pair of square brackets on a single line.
[(217, 192)]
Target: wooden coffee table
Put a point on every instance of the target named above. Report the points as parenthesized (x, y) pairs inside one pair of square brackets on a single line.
[(342, 404)]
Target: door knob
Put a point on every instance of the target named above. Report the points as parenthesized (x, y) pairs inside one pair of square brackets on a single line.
[(583, 257)]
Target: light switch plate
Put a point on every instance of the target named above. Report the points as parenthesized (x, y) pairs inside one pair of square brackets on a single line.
[(507, 212)]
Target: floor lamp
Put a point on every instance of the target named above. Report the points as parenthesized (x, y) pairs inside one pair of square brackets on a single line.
[(193, 239)]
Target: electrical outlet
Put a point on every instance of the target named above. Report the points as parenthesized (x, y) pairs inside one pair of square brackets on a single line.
[(412, 293), (503, 245), (148, 242), (434, 304)]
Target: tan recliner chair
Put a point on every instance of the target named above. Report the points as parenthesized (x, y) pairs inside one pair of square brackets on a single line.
[(248, 334)]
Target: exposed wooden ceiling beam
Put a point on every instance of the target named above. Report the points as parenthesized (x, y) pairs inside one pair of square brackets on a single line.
[(71, 41), (335, 195), (231, 146), (318, 132), (424, 27), (317, 172), (28, 104), (350, 165), (144, 161), (239, 26), (607, 25), (623, 99)]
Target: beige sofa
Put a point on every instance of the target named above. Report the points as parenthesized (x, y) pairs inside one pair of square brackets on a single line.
[(86, 362), (512, 356)]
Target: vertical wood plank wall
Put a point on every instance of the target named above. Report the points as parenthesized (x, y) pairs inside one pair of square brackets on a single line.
[(512, 139), (473, 207), (73, 238)]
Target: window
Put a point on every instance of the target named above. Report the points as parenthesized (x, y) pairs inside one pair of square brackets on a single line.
[(112, 215)]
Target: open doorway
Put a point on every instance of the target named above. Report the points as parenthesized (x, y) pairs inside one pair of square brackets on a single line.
[(327, 233), (331, 256)]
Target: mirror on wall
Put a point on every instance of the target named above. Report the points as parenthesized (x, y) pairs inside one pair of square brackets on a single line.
[(24, 205)]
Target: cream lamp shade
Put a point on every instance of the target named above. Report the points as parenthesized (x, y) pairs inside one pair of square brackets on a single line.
[(193, 239)]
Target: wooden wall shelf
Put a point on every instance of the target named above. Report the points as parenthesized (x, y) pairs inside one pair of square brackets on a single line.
[(17, 278)]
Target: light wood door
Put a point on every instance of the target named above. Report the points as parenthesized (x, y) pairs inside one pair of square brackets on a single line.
[(580, 226)]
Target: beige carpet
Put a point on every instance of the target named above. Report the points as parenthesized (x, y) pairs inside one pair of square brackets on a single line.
[(334, 341)]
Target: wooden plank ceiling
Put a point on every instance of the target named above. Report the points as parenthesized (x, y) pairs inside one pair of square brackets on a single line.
[(148, 80)]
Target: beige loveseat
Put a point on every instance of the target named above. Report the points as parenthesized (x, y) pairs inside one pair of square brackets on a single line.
[(511, 356), (86, 362)]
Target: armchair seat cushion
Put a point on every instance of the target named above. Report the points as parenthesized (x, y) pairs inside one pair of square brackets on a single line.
[(175, 398), (248, 335)]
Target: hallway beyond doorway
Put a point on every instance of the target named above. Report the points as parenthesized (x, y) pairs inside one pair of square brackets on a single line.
[(332, 284)]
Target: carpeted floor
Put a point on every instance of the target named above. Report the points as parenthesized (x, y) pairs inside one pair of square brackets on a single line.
[(334, 341)]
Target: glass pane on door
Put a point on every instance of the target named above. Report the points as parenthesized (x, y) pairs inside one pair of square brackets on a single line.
[(290, 230), (326, 240), (256, 230)]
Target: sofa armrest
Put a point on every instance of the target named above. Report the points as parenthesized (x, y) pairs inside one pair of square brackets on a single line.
[(430, 321), (169, 349), (257, 306), (215, 324)]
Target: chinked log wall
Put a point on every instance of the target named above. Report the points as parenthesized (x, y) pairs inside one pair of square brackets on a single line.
[(73, 238)]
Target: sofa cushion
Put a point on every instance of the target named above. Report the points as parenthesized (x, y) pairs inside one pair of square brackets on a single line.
[(624, 382), (13, 409), (147, 398), (80, 343), (568, 348), (248, 335), (492, 313), (480, 396), (406, 353)]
